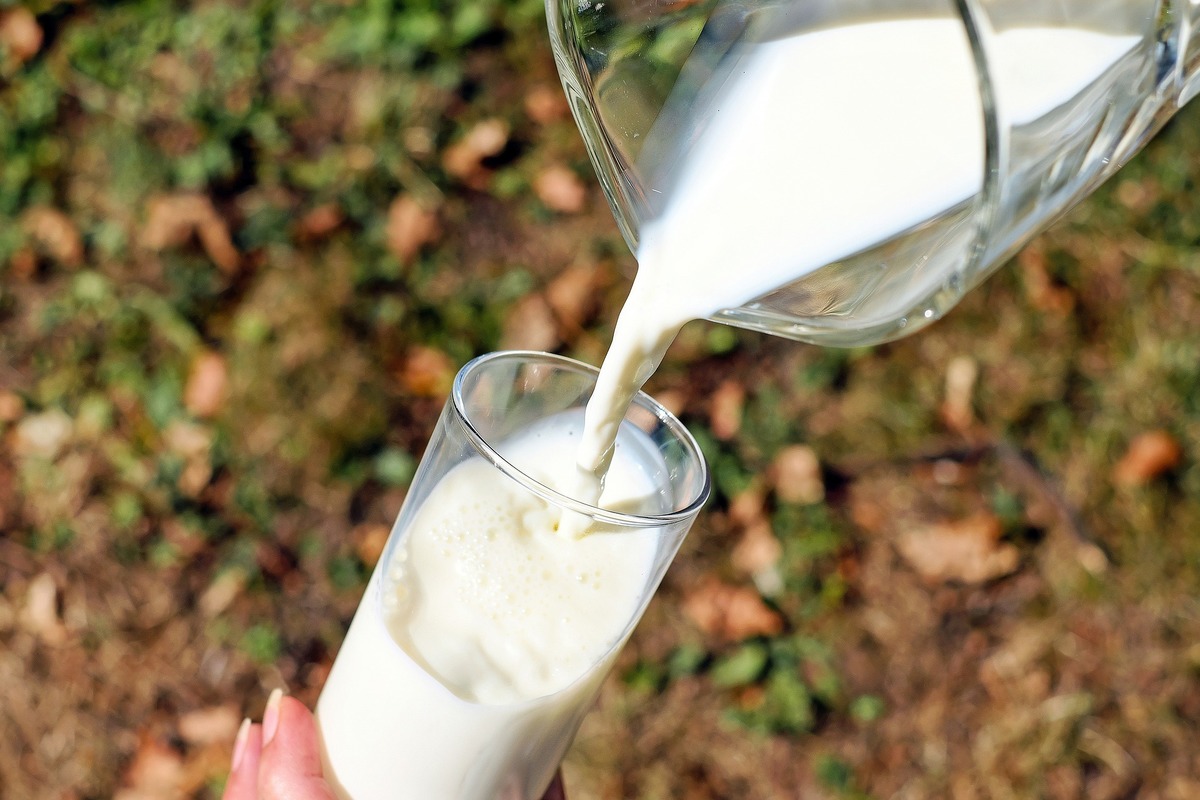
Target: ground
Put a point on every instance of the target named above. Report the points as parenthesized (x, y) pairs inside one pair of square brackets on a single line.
[(249, 243)]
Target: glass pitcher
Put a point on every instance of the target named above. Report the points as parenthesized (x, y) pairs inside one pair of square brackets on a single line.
[(884, 155)]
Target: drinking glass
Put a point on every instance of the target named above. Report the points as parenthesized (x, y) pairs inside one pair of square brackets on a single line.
[(915, 166), (389, 727)]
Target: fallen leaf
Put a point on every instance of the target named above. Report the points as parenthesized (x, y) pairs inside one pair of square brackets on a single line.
[(43, 435), (172, 220), (156, 773), (796, 474), (967, 550), (23, 263), (572, 296), (11, 406), (730, 612), (757, 550), (273, 560), (529, 325), (319, 222), (1149, 455), (204, 393), (409, 228), (1001, 672), (209, 725), (748, 506), (427, 372), (222, 592), (40, 615), (757, 555), (725, 412), (55, 233), (1139, 196), (1043, 293), (369, 539), (194, 478), (560, 190), (193, 443), (464, 159), (546, 104), (867, 514), (961, 374), (20, 33), (673, 400), (187, 439)]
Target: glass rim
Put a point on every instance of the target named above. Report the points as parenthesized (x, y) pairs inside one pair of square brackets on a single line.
[(481, 445)]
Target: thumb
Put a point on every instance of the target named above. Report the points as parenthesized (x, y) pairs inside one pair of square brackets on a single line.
[(290, 764)]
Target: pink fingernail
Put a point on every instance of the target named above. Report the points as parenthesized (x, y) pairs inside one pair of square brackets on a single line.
[(239, 744), (271, 716)]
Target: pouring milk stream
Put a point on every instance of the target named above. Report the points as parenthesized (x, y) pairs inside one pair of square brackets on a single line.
[(743, 218)]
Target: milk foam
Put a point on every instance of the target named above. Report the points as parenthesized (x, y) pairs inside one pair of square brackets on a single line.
[(493, 601)]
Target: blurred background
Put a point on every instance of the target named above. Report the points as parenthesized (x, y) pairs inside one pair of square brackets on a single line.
[(244, 246)]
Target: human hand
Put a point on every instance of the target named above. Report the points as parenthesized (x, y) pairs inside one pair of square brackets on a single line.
[(281, 760)]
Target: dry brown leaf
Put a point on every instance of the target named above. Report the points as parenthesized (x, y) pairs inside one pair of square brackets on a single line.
[(868, 512), (23, 264), (369, 539), (731, 613), (464, 159), (20, 33), (961, 374), (156, 773), (43, 435), (546, 104), (187, 439), (222, 592), (207, 382), (757, 549), (1040, 288), (1150, 454), (194, 478), (673, 400), (55, 234), (967, 550), (427, 372), (193, 444), (172, 220), (40, 615), (1139, 196), (209, 725), (319, 222), (749, 506), (560, 190), (796, 473), (1005, 670), (572, 296), (11, 406), (529, 325), (409, 228), (725, 413)]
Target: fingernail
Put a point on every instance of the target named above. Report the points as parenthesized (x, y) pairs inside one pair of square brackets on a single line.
[(239, 744), (271, 716)]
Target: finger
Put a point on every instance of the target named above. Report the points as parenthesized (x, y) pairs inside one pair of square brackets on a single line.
[(290, 766), (243, 773), (556, 791)]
